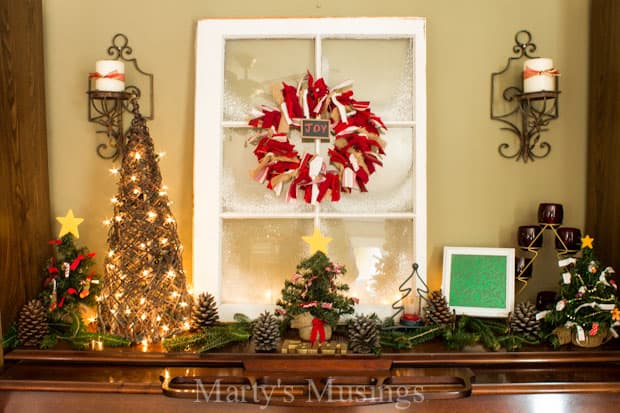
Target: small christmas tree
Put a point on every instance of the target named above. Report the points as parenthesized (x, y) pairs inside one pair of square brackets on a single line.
[(69, 280), (588, 296), (145, 294), (314, 288)]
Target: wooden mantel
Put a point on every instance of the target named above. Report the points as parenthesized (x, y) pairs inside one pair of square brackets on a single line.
[(430, 378)]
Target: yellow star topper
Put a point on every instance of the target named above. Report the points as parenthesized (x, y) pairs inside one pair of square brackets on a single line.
[(586, 242), (69, 224), (317, 241)]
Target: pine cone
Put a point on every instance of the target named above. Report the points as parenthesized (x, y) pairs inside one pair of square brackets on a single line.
[(523, 321), (437, 311), (363, 335), (32, 323), (204, 313), (266, 332)]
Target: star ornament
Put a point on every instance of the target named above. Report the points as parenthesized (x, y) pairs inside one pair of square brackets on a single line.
[(586, 242), (69, 224), (317, 241)]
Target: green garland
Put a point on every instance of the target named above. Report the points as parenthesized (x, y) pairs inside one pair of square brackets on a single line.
[(405, 340), (212, 337), (73, 333), (467, 331)]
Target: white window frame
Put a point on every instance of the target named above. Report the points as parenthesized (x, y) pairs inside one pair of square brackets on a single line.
[(209, 125)]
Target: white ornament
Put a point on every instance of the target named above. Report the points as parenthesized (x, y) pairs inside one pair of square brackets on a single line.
[(566, 262), (560, 305), (66, 267), (566, 277), (581, 335)]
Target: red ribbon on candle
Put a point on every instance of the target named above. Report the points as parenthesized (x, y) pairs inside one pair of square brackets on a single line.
[(112, 75), (528, 72), (317, 328)]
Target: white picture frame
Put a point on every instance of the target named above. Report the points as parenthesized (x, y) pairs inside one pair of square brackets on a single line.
[(479, 281)]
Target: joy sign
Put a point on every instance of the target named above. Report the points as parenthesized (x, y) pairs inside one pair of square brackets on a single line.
[(315, 129)]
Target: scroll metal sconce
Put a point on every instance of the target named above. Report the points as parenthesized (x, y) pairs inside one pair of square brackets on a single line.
[(525, 113), (106, 106)]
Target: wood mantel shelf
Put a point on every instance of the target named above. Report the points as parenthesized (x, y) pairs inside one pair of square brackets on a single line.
[(431, 378)]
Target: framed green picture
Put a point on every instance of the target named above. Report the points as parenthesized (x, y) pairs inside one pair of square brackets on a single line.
[(479, 281)]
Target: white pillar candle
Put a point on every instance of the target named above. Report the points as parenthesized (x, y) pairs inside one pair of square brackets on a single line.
[(539, 75), (109, 75)]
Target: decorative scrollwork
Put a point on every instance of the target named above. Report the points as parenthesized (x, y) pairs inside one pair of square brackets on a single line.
[(106, 108), (524, 47), (120, 48), (528, 114)]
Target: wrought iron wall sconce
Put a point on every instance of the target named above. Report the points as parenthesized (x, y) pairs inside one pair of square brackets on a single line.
[(106, 108), (526, 115)]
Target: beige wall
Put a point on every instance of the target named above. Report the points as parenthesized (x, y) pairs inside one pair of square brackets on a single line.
[(475, 198)]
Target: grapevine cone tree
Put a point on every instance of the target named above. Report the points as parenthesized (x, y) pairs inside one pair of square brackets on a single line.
[(145, 292)]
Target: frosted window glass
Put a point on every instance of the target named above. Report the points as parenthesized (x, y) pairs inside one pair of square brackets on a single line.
[(253, 67), (378, 255), (391, 187), (258, 255), (381, 69), (240, 193)]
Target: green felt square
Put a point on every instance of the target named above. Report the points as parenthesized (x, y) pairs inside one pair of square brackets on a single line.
[(478, 281)]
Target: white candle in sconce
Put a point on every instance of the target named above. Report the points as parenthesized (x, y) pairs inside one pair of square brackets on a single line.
[(539, 75), (109, 75)]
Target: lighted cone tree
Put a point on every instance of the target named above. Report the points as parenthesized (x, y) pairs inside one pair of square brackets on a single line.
[(145, 295)]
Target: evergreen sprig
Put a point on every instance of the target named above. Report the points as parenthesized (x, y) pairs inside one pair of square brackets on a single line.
[(11, 340), (404, 340), (470, 330), (315, 288), (212, 337)]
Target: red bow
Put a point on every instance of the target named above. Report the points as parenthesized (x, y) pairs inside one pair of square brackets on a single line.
[(112, 75), (76, 262), (528, 72), (316, 91), (317, 327)]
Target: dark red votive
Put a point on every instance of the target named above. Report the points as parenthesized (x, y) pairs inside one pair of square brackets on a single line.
[(522, 264), (550, 213), (571, 238), (527, 234)]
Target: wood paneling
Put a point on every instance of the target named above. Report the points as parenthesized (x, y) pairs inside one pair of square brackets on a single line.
[(125, 379), (603, 183), (24, 187)]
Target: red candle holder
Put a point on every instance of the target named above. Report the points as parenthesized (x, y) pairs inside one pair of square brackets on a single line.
[(545, 300), (550, 214), (523, 267), (571, 237), (527, 234)]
